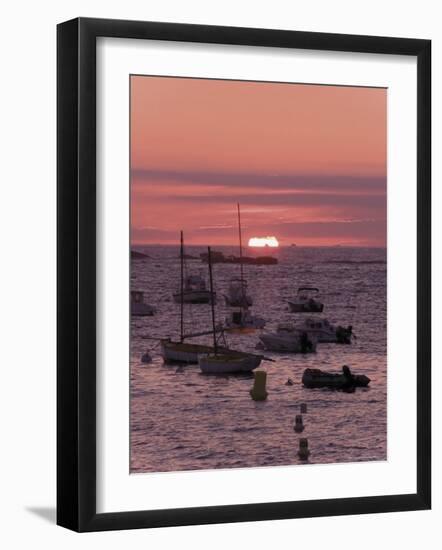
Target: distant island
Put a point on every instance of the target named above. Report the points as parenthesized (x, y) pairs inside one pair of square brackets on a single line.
[(135, 255), (220, 258)]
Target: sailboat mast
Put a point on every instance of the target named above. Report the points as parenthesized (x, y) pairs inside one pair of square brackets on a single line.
[(243, 290), (240, 243), (182, 288), (212, 301)]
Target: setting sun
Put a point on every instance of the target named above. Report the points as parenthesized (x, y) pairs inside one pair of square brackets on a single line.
[(264, 241)]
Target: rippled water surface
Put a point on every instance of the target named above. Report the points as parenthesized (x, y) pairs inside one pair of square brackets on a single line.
[(184, 420)]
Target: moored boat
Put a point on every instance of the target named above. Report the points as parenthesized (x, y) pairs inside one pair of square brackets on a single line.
[(306, 301), (181, 351), (185, 352), (137, 305), (194, 291), (220, 363), (193, 287), (325, 332), (316, 378), (237, 294), (287, 338), (243, 319)]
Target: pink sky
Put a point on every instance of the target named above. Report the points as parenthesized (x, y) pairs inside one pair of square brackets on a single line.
[(307, 163)]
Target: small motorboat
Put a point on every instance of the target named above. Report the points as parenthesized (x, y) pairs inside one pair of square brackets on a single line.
[(306, 301), (289, 339), (137, 305), (243, 319), (192, 287), (194, 291), (316, 378), (237, 294), (326, 332), (219, 363)]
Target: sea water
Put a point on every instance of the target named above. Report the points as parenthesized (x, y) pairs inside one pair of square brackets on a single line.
[(181, 419)]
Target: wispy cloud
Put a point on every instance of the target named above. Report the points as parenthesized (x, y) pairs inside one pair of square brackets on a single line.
[(356, 183)]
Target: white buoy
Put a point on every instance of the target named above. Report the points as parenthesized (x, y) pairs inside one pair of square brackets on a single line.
[(299, 426), (303, 451)]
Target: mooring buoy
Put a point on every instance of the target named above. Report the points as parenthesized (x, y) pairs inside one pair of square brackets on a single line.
[(303, 451), (299, 426), (303, 408), (259, 392), (146, 358)]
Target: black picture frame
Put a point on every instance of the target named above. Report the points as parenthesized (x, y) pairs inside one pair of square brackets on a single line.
[(76, 274)]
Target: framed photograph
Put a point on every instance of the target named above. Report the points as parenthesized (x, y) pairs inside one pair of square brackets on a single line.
[(243, 274)]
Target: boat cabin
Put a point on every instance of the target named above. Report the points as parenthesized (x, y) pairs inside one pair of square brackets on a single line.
[(307, 292), (316, 324), (194, 282), (285, 327)]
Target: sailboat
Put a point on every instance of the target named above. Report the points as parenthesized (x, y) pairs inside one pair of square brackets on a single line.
[(220, 362), (193, 287), (181, 351), (242, 318)]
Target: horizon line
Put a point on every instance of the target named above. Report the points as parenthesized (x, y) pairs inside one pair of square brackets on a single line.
[(268, 247)]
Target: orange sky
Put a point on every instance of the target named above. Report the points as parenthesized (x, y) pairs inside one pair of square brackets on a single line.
[(307, 163)]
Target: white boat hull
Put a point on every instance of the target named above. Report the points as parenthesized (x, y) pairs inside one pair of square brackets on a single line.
[(326, 333), (183, 352), (288, 343), (224, 364), (180, 352), (195, 297)]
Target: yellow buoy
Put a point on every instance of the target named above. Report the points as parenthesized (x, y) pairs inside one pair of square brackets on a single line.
[(258, 392)]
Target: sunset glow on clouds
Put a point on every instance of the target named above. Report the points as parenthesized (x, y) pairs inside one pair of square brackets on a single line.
[(306, 163)]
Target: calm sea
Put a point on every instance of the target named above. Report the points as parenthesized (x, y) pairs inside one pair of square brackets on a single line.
[(184, 420)]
